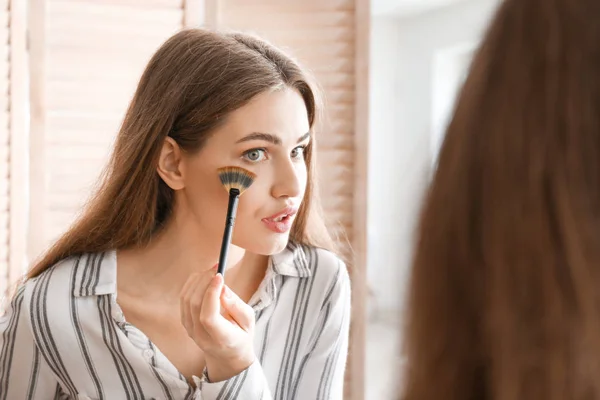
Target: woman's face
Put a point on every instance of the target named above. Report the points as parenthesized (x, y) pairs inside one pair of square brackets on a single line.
[(266, 136)]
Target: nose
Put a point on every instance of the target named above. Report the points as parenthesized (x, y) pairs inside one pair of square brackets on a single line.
[(287, 182)]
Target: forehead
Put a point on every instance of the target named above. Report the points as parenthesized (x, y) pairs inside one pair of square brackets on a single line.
[(280, 112)]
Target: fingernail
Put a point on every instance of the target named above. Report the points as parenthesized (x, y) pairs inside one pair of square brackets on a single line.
[(217, 279)]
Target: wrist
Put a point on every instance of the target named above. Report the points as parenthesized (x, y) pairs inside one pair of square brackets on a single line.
[(221, 369)]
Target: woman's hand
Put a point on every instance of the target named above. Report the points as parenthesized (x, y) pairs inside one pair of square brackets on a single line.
[(225, 337)]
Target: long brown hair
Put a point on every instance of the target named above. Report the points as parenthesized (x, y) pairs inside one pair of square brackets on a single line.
[(505, 284), (193, 81)]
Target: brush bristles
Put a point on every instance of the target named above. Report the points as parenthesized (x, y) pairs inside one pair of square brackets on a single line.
[(236, 178)]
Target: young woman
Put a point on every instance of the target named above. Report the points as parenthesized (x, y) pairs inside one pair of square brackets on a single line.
[(505, 281), (128, 305)]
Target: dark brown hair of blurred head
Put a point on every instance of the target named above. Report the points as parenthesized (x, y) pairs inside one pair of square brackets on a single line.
[(505, 285)]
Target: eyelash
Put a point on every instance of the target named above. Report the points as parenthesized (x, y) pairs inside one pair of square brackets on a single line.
[(245, 154)]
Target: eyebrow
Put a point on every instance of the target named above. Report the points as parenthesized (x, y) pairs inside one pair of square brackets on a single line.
[(268, 137)]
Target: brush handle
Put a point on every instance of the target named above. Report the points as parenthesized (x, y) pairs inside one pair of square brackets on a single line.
[(234, 196)]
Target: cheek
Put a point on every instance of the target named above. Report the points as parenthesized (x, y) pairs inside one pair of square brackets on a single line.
[(302, 178), (253, 200), (208, 200), (256, 202)]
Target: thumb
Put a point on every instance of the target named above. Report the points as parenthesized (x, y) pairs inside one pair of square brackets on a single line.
[(241, 312)]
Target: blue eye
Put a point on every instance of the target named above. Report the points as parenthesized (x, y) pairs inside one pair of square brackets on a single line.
[(298, 152), (254, 155)]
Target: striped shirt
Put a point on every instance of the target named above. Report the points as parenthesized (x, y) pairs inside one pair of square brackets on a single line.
[(63, 336)]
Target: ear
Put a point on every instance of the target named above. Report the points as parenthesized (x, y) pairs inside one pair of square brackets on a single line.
[(170, 164)]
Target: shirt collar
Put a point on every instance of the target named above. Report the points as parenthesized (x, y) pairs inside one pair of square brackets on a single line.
[(96, 273), (292, 261)]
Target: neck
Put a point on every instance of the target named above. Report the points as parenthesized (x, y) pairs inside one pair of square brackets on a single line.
[(162, 267)]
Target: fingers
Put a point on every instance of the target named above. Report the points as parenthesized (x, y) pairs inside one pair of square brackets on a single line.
[(210, 315), (215, 317), (197, 297), (190, 300), (241, 312)]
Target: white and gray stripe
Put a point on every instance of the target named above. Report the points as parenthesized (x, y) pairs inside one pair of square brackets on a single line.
[(64, 336), (299, 310), (35, 370), (42, 331), (127, 375), (81, 341), (9, 336), (159, 378)]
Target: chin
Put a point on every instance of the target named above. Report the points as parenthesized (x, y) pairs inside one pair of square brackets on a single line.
[(265, 245)]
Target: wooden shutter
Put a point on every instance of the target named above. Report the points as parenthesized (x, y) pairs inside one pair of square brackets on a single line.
[(4, 144), (87, 57), (12, 142), (330, 38)]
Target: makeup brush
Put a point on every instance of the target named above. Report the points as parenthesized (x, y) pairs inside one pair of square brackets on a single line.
[(235, 180)]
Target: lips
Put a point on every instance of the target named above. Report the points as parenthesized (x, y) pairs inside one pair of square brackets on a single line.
[(282, 221)]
